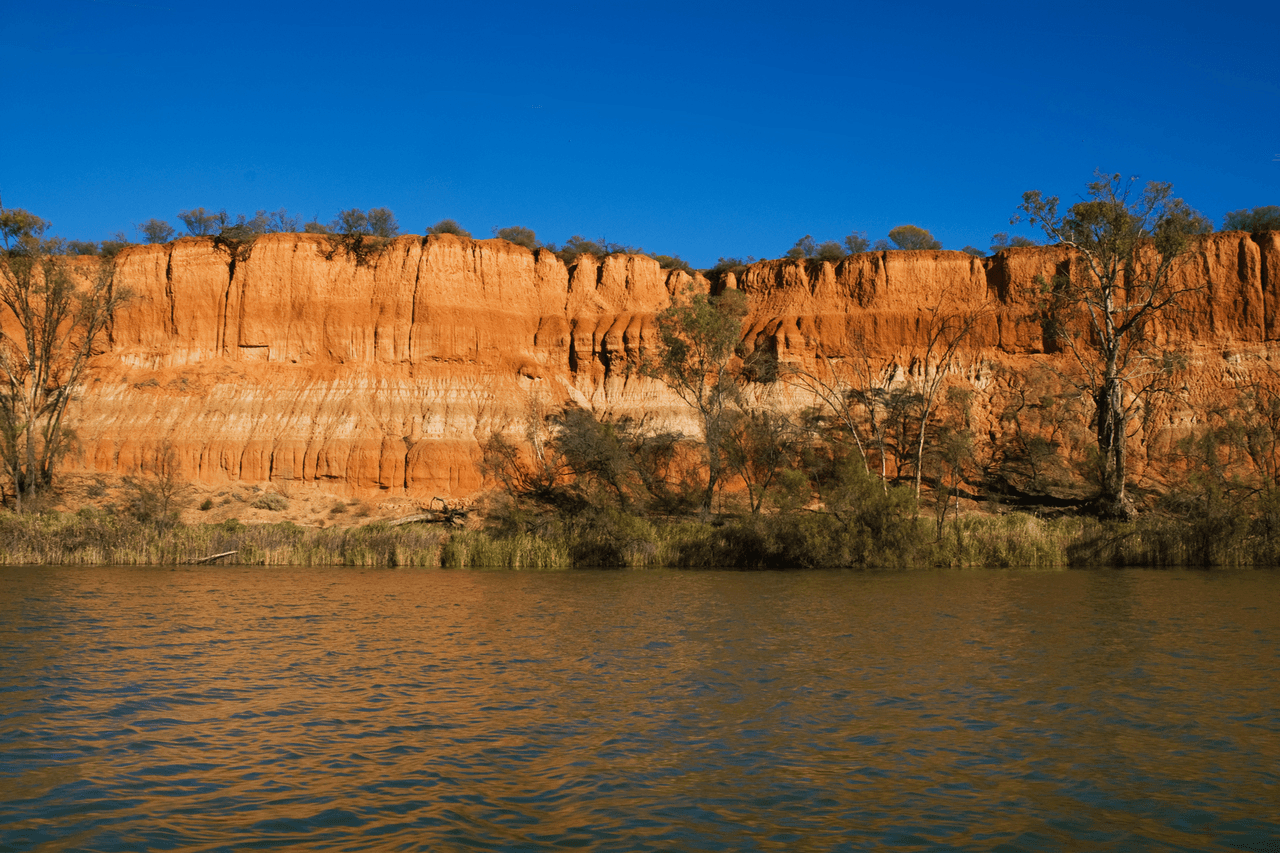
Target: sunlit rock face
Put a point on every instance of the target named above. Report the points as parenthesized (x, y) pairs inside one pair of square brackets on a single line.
[(295, 364)]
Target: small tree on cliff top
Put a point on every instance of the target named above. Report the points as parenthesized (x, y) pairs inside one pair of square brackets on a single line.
[(913, 237), (51, 319), (699, 334), (1127, 246)]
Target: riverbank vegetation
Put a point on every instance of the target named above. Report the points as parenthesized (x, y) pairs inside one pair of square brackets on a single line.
[(611, 539), (886, 465)]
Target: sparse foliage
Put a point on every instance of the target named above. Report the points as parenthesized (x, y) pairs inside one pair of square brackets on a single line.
[(21, 230), (758, 445), (156, 231), (672, 262), (199, 222), (114, 245), (854, 391), (1253, 219), (577, 245), (1005, 240), (946, 325), (361, 234), (52, 321), (857, 242), (159, 495), (731, 265), (1128, 244), (80, 247), (699, 335), (805, 247)]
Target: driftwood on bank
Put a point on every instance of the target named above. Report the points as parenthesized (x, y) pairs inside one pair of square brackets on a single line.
[(212, 557), (446, 514)]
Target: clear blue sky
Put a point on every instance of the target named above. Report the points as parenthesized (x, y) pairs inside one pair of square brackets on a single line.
[(691, 128)]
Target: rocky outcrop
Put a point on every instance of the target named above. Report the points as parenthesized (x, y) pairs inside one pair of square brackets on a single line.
[(298, 365)]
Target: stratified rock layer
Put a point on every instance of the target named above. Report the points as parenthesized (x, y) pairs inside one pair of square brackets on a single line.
[(298, 365)]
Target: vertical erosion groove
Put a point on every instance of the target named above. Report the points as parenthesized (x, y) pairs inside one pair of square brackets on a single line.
[(1264, 277), (226, 305), (168, 292), (413, 302)]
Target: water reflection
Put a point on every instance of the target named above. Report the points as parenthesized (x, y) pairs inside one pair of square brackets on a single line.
[(204, 709)]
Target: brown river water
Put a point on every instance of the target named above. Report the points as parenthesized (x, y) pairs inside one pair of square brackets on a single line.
[(219, 709)]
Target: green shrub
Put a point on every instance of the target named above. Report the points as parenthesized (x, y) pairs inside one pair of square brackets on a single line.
[(81, 247), (913, 237), (737, 266), (1253, 219), (519, 235), (156, 231), (577, 246), (672, 262), (449, 226)]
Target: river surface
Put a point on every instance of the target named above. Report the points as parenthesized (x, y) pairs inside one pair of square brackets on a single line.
[(236, 708)]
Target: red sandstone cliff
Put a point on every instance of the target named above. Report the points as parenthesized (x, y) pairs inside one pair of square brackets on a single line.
[(290, 368)]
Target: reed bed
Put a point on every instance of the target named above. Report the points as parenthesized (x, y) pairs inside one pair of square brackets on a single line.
[(617, 540), (98, 538)]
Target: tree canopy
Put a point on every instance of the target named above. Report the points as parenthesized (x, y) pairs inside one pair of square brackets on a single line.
[(519, 235), (913, 237), (449, 226), (156, 231), (53, 317), (699, 334), (1253, 219)]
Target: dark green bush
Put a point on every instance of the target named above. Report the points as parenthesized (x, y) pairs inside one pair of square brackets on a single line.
[(519, 235), (1253, 219), (449, 226), (156, 231), (577, 246), (672, 262)]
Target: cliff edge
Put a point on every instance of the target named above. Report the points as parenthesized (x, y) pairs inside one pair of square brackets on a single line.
[(300, 367)]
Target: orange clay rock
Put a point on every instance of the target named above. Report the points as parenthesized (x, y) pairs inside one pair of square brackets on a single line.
[(295, 364)]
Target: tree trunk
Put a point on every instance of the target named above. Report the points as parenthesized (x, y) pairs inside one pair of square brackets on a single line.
[(1110, 425)]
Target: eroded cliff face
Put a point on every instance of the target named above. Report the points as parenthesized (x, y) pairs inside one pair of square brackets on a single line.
[(295, 367)]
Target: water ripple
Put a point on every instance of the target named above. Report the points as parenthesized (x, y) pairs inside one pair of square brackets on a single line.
[(225, 709)]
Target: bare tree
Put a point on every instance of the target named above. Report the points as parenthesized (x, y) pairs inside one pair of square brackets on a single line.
[(158, 496), (854, 389), (946, 326), (758, 445)]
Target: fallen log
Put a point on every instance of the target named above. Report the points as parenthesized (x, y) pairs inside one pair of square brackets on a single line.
[(212, 557), (410, 519)]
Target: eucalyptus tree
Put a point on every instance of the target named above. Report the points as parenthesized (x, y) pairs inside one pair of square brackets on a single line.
[(53, 314), (1127, 243), (699, 336)]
